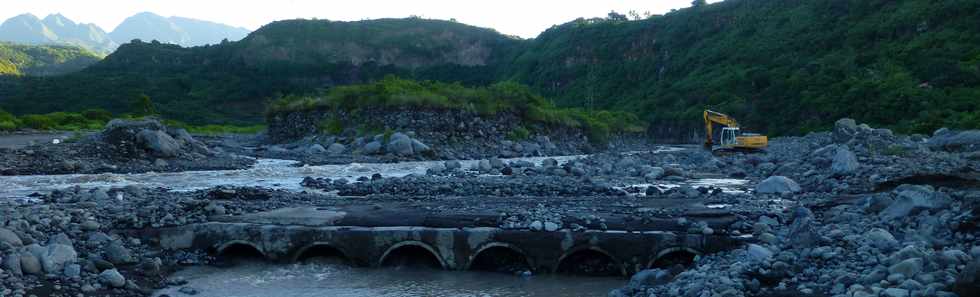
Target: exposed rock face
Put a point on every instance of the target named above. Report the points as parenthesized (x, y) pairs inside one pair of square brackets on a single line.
[(158, 143)]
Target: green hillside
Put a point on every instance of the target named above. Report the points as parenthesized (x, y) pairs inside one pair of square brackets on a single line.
[(18, 59), (782, 67)]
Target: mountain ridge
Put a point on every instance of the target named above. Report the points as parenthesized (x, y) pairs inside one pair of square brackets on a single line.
[(58, 29)]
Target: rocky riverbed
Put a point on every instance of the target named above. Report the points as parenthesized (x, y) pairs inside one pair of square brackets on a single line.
[(123, 146), (852, 212)]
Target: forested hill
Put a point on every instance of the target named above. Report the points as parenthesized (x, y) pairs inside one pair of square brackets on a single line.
[(40, 60), (785, 66), (779, 66)]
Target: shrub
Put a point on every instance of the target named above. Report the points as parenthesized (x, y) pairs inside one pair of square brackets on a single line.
[(37, 121), (330, 126), (519, 133)]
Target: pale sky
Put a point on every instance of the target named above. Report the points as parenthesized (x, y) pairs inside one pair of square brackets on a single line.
[(525, 18)]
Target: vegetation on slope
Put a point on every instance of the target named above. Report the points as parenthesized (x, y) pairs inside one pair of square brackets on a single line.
[(782, 67), (392, 92), (18, 59)]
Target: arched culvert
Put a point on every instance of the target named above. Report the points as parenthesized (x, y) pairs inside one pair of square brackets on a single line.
[(590, 262), (236, 252), (500, 257), (322, 253), (412, 254), (676, 257)]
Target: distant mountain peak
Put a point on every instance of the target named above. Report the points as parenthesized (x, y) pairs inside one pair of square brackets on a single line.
[(58, 29)]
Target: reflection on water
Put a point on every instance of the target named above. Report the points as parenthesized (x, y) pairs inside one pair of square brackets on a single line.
[(321, 279)]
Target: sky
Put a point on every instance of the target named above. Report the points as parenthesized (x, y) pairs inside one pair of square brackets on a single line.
[(524, 18)]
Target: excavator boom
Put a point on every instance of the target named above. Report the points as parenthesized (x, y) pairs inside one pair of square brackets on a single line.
[(730, 138)]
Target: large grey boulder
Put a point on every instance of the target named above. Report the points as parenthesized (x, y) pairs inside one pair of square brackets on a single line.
[(400, 144), (336, 149), (316, 149), (116, 253), (112, 278), (123, 132), (418, 147), (57, 256), (10, 238), (844, 130), (777, 185), (29, 264), (372, 148), (912, 199), (845, 162), (758, 253), (650, 277), (961, 141), (881, 239), (158, 143)]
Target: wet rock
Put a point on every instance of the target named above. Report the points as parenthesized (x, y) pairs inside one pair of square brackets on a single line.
[(650, 277), (112, 278), (845, 162), (895, 292), (655, 173), (777, 185), (90, 225), (536, 226), (550, 227)]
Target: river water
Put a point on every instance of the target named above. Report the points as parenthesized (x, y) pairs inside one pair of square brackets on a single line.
[(322, 279)]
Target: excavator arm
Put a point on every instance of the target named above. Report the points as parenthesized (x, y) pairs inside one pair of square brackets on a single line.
[(711, 117)]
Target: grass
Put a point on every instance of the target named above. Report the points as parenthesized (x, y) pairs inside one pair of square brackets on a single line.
[(393, 92), (95, 119)]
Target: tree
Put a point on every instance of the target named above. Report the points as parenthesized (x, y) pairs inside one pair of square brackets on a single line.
[(615, 16), (699, 3), (144, 106)]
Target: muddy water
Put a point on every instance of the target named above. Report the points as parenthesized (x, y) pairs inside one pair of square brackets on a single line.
[(321, 279)]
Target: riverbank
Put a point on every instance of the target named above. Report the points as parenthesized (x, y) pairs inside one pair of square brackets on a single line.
[(819, 211)]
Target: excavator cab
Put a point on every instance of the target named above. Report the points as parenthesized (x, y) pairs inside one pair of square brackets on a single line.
[(729, 136)]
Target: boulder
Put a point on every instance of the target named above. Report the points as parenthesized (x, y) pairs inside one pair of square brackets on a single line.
[(120, 132), (650, 277), (909, 267), (453, 165), (315, 149), (9, 238), (497, 163), (117, 254), (57, 256), (372, 148), (29, 264), (400, 146), (844, 130), (845, 162), (912, 199), (112, 278), (418, 147), (777, 185), (158, 143), (881, 239), (654, 173), (961, 141), (758, 253), (336, 149), (968, 281)]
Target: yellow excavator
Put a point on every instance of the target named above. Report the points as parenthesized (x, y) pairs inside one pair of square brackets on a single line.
[(732, 138)]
